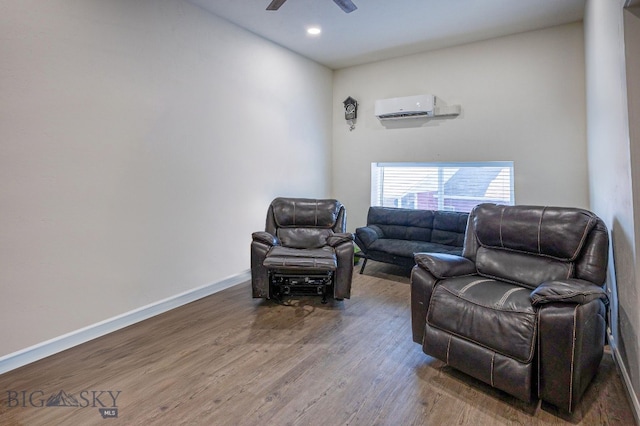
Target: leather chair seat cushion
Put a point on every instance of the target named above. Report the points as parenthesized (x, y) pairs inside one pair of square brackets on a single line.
[(318, 259), (407, 248), (494, 314)]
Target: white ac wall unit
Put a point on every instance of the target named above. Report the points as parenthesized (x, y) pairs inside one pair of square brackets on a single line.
[(412, 107)]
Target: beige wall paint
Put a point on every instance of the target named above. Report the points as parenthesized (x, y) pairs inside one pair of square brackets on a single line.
[(614, 164), (611, 169), (140, 145), (522, 99)]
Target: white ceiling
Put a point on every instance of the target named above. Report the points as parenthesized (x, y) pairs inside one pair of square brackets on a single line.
[(382, 29)]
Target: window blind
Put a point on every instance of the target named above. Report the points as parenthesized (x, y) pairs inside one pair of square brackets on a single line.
[(441, 186)]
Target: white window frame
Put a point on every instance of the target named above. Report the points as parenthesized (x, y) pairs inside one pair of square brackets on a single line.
[(444, 171)]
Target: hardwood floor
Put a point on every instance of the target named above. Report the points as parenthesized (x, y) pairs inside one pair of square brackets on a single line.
[(229, 359)]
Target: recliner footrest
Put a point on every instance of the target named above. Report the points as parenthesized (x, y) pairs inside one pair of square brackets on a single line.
[(283, 284)]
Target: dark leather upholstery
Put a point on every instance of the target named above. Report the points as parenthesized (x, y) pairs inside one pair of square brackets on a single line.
[(523, 308), (303, 236), (394, 235)]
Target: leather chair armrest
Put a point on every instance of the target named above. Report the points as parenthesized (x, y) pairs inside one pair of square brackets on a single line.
[(422, 284), (442, 265), (571, 339), (571, 290), (339, 238), (265, 238), (367, 235)]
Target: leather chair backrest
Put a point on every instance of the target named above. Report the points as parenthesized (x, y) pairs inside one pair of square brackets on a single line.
[(303, 222), (528, 245)]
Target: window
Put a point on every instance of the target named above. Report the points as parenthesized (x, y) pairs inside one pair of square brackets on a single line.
[(441, 186)]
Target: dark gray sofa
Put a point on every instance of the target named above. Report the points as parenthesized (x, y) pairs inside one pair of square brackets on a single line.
[(393, 235)]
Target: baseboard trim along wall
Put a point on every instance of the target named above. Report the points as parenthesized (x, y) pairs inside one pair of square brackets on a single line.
[(633, 398), (58, 344)]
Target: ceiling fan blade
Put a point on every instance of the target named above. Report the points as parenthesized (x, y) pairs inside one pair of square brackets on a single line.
[(346, 5), (275, 4)]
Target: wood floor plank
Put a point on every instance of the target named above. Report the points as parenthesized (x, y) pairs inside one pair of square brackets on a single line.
[(229, 359)]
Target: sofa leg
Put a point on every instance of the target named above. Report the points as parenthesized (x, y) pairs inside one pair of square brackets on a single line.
[(364, 263)]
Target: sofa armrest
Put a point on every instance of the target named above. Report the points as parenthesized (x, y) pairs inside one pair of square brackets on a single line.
[(340, 238), (571, 290), (265, 238), (442, 265), (367, 235)]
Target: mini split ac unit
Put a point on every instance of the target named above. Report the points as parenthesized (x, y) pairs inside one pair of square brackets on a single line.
[(413, 107)]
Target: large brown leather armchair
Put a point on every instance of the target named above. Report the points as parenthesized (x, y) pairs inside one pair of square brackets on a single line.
[(523, 308), (304, 246)]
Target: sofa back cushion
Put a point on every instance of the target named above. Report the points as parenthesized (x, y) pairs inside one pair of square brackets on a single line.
[(440, 227), (449, 228), (402, 224)]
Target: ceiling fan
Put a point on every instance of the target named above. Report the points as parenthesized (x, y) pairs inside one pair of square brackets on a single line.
[(346, 5)]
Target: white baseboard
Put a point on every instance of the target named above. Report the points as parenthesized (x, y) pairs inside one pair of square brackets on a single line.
[(58, 344), (633, 398)]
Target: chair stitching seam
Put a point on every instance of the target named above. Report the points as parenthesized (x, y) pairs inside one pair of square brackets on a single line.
[(540, 229), (472, 284), (584, 236), (468, 339), (493, 357), (573, 354), (505, 296), (538, 320), (500, 228), (570, 271), (494, 307)]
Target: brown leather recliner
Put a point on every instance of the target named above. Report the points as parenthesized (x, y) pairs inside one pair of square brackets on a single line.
[(304, 246), (523, 309)]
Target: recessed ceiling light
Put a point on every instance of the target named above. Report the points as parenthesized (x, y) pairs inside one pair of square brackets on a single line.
[(314, 31)]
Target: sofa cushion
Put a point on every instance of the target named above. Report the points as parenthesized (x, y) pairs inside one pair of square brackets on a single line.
[(449, 228), (402, 224), (368, 234), (492, 313), (404, 217), (407, 248), (448, 238)]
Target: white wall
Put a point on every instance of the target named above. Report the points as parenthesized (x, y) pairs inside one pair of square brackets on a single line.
[(522, 99), (613, 169), (140, 145), (629, 325)]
